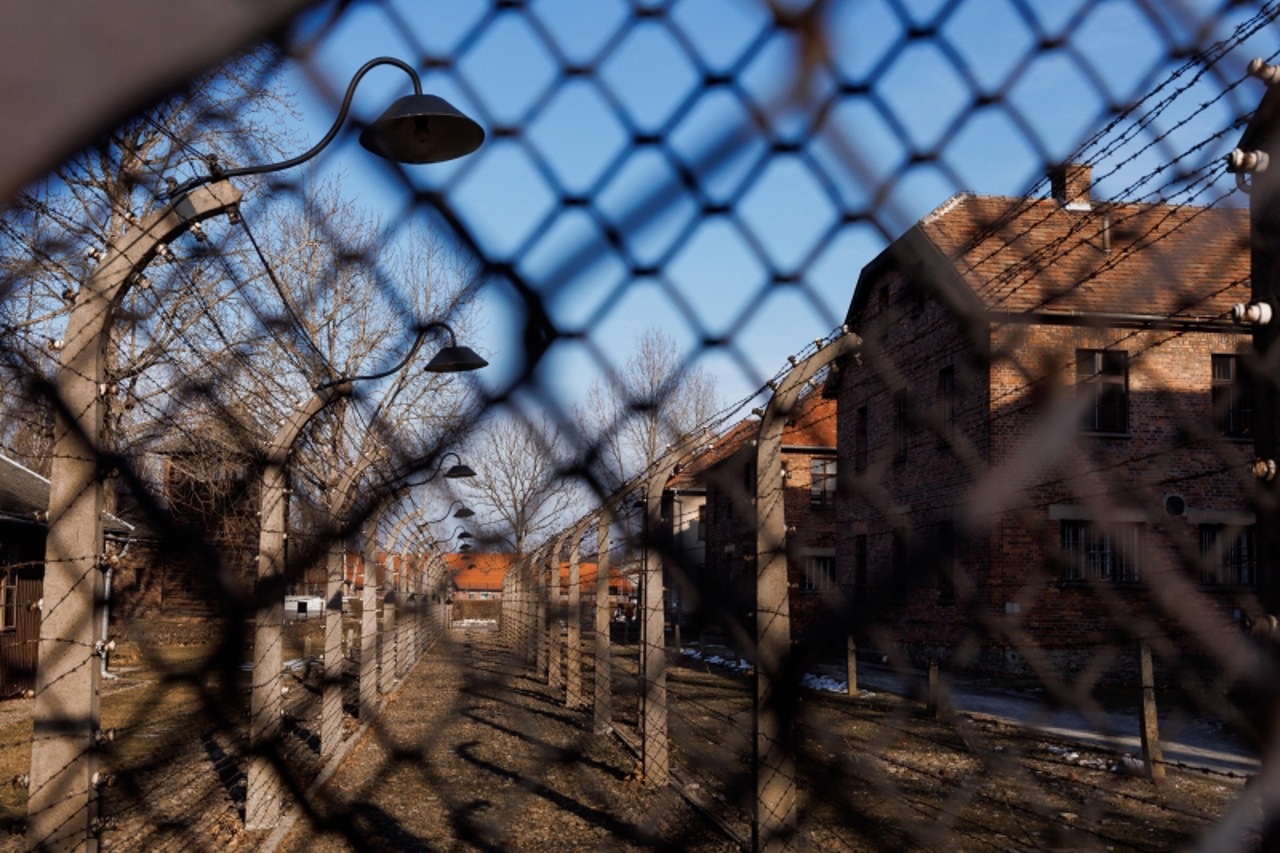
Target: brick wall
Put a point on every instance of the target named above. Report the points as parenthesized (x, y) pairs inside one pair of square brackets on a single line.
[(930, 488)]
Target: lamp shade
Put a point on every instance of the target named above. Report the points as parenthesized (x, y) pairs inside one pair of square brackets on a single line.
[(458, 472), (455, 359), (422, 129), (464, 512)]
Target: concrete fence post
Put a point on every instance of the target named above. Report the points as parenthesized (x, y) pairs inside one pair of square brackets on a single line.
[(387, 673), (655, 749), (555, 633), (573, 661), (62, 803), (603, 705), (369, 627), (540, 616), (775, 819), (331, 697)]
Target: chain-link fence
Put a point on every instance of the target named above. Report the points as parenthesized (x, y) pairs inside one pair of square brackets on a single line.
[(867, 428)]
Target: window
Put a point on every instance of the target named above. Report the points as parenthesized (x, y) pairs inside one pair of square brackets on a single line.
[(1093, 552), (860, 436), (702, 523), (822, 483), (1233, 403), (749, 479), (1102, 378), (819, 574), (1230, 555), (946, 404), (900, 426), (9, 600)]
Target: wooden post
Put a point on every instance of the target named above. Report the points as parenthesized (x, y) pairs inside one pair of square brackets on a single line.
[(851, 667), (1152, 756), (931, 696), (603, 704)]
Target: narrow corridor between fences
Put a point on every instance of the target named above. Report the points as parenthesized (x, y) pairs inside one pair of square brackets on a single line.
[(474, 753)]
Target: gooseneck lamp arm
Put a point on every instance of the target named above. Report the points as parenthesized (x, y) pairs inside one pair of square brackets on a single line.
[(413, 350), (415, 129)]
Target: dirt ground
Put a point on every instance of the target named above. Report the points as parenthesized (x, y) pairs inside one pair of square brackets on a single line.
[(475, 753)]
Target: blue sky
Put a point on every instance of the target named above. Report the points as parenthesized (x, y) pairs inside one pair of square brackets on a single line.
[(700, 260)]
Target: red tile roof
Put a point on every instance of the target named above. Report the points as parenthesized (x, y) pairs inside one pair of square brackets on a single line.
[(483, 572), (1022, 255)]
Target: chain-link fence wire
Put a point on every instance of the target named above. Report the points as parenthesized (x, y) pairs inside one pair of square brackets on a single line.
[(976, 523)]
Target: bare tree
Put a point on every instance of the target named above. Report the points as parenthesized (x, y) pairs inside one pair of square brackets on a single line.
[(655, 400), (520, 480)]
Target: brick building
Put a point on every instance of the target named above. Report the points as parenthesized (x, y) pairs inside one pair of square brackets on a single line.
[(1049, 433), (726, 472)]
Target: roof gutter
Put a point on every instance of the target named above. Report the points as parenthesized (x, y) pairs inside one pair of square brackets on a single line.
[(1114, 319)]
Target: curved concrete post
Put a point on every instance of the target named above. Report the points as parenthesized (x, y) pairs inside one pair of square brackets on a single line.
[(774, 824), (62, 803), (387, 630), (653, 660), (262, 807), (602, 706)]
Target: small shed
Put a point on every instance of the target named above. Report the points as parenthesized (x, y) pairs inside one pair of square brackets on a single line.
[(24, 504)]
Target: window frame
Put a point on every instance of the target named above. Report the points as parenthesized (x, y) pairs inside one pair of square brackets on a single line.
[(822, 483), (1223, 565), (1236, 418), (1104, 375), (825, 576), (1094, 552)]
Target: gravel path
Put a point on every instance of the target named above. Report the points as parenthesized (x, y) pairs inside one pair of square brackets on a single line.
[(472, 754)]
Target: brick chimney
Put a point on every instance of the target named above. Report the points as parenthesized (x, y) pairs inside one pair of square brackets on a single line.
[(1070, 184)]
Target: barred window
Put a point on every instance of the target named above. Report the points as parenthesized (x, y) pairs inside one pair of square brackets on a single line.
[(822, 483), (819, 573), (1233, 400), (1094, 552), (1230, 555), (1102, 378), (860, 562)]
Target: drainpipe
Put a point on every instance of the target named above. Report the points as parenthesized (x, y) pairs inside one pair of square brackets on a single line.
[(106, 607)]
